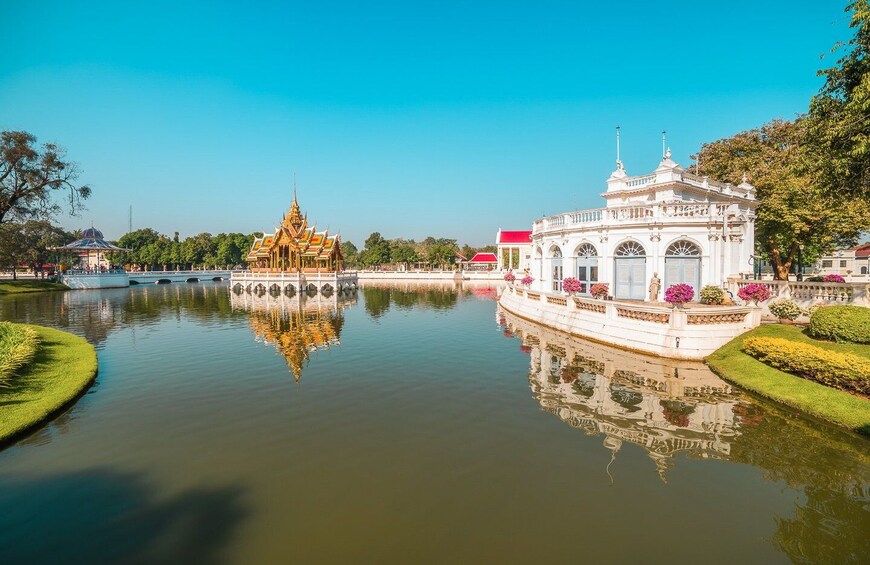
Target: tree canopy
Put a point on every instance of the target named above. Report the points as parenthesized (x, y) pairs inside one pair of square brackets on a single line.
[(795, 208), (839, 116), (31, 175)]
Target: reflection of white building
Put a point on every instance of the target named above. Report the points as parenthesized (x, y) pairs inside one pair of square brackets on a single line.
[(685, 227), (663, 406)]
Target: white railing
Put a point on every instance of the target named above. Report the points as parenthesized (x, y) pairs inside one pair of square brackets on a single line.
[(808, 294), (660, 212)]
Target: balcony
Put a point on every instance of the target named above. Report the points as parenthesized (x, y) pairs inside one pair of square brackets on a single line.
[(654, 213)]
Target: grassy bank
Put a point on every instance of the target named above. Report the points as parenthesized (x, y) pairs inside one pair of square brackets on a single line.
[(29, 285), (64, 365), (833, 405)]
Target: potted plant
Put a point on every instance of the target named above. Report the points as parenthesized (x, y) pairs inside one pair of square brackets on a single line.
[(679, 294), (571, 285), (599, 290), (712, 294), (834, 279), (785, 309), (510, 277), (527, 280), (754, 292)]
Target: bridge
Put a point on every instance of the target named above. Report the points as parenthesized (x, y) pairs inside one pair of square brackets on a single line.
[(163, 277)]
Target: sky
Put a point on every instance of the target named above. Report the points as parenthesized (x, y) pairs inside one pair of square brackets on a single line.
[(450, 119)]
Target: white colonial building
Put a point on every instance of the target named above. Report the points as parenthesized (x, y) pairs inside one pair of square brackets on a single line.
[(684, 227)]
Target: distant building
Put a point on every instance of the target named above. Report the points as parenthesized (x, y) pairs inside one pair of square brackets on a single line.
[(846, 262), (514, 250), (481, 262), (91, 249)]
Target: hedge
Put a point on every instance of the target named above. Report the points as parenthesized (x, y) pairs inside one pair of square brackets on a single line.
[(839, 370), (841, 324)]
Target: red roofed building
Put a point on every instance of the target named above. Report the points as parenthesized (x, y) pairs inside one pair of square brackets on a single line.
[(847, 262), (514, 249), (481, 262)]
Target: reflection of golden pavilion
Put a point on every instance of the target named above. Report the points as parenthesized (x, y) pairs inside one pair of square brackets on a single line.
[(296, 326), (664, 406), (296, 247)]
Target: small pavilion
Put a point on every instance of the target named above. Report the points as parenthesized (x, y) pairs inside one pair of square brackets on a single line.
[(482, 262), (91, 250)]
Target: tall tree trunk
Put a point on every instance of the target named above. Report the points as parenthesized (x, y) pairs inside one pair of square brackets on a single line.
[(781, 264)]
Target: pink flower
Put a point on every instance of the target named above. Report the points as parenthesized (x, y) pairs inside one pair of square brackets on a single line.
[(754, 292), (570, 284), (679, 293), (834, 279), (599, 290), (510, 277), (527, 280)]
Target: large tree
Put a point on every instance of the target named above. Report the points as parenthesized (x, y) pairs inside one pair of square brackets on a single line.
[(795, 209), (30, 176), (839, 117)]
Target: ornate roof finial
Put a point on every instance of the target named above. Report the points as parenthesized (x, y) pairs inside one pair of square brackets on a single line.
[(664, 143), (294, 186), (668, 153)]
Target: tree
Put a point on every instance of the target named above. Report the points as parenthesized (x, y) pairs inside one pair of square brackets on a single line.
[(29, 175), (404, 253), (839, 116), (11, 247), (467, 251), (795, 208), (377, 250), (350, 253), (442, 253), (37, 239)]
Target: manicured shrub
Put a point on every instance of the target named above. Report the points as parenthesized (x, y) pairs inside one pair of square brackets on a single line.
[(599, 290), (785, 309), (679, 294), (527, 280), (754, 292), (815, 278), (841, 323), (834, 279), (712, 294), (838, 370), (510, 277), (17, 347), (570, 284)]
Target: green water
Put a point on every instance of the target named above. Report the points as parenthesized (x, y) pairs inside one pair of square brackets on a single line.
[(407, 425)]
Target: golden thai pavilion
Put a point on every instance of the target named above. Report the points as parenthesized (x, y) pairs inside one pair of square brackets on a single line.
[(296, 247)]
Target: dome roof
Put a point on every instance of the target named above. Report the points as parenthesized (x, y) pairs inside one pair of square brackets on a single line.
[(92, 233)]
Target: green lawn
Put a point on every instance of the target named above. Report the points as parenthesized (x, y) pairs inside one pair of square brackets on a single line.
[(63, 367), (8, 286), (836, 406)]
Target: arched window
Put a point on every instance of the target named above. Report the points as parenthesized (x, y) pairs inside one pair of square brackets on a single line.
[(587, 250), (683, 248), (555, 252), (630, 249)]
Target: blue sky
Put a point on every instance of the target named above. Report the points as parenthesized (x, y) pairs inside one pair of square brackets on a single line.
[(442, 118)]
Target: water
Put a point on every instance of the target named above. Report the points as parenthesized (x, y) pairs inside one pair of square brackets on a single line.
[(404, 425)]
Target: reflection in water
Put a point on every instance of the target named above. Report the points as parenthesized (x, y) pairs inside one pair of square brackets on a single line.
[(405, 295), (94, 314), (667, 407), (296, 325), (663, 406)]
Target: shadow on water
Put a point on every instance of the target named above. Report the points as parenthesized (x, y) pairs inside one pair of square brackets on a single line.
[(669, 408), (101, 516)]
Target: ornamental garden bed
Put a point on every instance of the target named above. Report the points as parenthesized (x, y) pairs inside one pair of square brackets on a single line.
[(844, 408)]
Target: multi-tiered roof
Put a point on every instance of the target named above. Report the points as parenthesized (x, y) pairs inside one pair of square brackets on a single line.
[(296, 246)]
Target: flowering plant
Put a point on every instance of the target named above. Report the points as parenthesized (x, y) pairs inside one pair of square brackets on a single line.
[(834, 278), (679, 294), (527, 280), (510, 277), (785, 309), (599, 290), (754, 292), (712, 294), (570, 284)]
